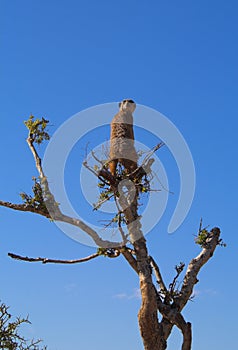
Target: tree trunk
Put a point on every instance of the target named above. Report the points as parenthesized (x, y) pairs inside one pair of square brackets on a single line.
[(150, 329)]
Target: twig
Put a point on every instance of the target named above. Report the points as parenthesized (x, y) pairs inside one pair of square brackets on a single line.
[(158, 275), (54, 261), (99, 204), (89, 168), (97, 174), (97, 159), (146, 164), (161, 184), (152, 151), (179, 269)]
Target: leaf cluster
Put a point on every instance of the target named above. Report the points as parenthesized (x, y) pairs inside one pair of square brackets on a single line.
[(37, 129), (203, 236), (10, 339), (37, 200), (108, 252)]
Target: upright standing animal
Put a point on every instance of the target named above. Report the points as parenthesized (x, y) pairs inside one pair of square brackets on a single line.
[(122, 147)]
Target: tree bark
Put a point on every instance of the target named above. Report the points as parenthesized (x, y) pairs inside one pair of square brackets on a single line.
[(150, 329)]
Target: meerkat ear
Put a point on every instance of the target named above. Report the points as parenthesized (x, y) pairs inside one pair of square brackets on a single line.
[(119, 104)]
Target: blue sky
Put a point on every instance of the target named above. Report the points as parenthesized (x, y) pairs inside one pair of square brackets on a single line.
[(180, 58)]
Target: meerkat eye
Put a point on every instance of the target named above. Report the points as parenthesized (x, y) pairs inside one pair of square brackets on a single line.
[(130, 101)]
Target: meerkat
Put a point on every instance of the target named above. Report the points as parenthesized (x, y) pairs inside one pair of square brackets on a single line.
[(122, 147)]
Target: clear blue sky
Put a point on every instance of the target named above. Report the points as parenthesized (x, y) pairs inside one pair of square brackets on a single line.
[(59, 57)]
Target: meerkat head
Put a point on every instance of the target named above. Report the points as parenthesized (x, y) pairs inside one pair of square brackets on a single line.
[(127, 105)]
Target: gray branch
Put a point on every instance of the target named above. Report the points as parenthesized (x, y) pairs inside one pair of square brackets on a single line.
[(195, 265)]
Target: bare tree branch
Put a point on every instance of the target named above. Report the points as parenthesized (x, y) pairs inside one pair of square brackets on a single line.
[(67, 219), (152, 151), (172, 312), (158, 275), (130, 258), (92, 233), (54, 261), (30, 143), (24, 207), (97, 159), (196, 264)]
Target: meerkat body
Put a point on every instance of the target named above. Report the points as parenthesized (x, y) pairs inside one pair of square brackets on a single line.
[(122, 147)]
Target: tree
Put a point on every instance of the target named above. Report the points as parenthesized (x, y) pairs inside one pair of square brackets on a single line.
[(10, 339), (156, 297)]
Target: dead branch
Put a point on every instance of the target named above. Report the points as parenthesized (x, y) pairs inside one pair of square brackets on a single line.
[(158, 275), (96, 173), (146, 164), (179, 269), (97, 159), (100, 203), (152, 151), (54, 261)]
